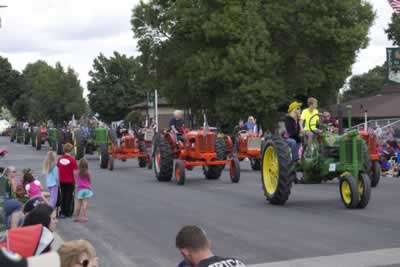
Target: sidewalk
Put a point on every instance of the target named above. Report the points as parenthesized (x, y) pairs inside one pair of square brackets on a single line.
[(375, 258)]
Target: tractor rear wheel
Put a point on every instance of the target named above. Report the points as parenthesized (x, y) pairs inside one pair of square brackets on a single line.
[(180, 175), (60, 142), (349, 191), (213, 172), (79, 144), (38, 140), (113, 136), (376, 173), (235, 170), (103, 156), (277, 172), (110, 163), (142, 149), (364, 190), (163, 160), (255, 164)]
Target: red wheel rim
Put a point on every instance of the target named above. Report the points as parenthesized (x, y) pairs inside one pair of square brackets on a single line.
[(177, 173)]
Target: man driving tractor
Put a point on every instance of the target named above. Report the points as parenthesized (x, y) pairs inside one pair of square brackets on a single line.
[(307, 127), (177, 125)]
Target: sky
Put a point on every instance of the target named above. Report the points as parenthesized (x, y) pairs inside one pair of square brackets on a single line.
[(74, 32)]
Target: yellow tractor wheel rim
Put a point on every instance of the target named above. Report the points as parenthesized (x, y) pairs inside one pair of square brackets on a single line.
[(346, 192), (360, 188), (270, 170)]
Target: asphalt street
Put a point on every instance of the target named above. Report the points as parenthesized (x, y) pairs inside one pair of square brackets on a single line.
[(133, 218)]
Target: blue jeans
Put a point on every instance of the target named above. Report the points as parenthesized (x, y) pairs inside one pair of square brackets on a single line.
[(294, 147)]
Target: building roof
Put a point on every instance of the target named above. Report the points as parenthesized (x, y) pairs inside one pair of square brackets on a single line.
[(386, 105)]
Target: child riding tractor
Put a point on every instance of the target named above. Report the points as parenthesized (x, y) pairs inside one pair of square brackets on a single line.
[(203, 147), (329, 156)]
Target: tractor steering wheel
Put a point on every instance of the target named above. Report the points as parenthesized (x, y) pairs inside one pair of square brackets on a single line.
[(314, 125)]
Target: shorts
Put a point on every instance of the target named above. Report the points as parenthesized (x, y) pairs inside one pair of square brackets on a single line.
[(85, 193)]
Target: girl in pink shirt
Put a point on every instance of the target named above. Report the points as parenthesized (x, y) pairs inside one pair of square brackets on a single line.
[(32, 186), (84, 191)]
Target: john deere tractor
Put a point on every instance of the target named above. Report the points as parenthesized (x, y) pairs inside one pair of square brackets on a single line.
[(330, 156)]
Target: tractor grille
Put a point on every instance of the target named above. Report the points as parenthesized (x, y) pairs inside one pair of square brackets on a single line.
[(346, 152), (254, 143), (206, 143)]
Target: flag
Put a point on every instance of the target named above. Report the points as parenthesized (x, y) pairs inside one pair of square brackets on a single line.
[(395, 4)]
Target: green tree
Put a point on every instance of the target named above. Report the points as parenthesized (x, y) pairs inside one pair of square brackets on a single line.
[(10, 84), (393, 31), (50, 93), (231, 58), (367, 84), (114, 86)]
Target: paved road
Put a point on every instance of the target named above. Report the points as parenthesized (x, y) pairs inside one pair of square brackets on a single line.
[(134, 219)]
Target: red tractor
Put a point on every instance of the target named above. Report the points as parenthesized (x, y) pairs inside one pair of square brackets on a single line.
[(127, 147), (372, 164), (248, 145), (195, 148)]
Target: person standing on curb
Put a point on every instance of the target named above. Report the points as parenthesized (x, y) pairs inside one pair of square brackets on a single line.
[(67, 168)]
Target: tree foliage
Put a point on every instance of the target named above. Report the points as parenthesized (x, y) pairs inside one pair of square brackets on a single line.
[(367, 84), (393, 31), (10, 84), (49, 93), (230, 58), (114, 86)]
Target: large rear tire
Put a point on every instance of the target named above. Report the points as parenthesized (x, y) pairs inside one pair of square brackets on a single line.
[(214, 172), (163, 160), (277, 173), (364, 190), (142, 160), (79, 144), (349, 191), (235, 170), (38, 140), (376, 173), (104, 156)]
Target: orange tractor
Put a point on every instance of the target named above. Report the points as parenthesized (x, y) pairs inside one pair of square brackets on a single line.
[(127, 147), (372, 164), (248, 145), (194, 148)]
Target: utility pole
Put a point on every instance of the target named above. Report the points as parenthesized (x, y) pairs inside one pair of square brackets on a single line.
[(2, 6)]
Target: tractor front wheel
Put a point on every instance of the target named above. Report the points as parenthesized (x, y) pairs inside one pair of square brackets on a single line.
[(79, 144), (376, 173), (103, 156), (255, 164), (38, 140), (364, 190), (276, 171), (110, 163), (349, 191), (180, 174), (235, 170), (163, 160)]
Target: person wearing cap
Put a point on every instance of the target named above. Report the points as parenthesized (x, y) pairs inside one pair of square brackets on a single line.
[(307, 126), (177, 125), (293, 128), (195, 248)]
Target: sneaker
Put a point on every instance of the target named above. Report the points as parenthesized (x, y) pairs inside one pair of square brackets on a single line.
[(77, 219), (84, 219)]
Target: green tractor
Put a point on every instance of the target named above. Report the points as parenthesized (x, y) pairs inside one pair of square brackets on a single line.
[(330, 156), (93, 141), (41, 135)]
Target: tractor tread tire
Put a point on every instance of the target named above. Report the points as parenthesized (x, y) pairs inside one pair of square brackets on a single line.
[(80, 142), (60, 141), (286, 172), (376, 173), (367, 191), (142, 160), (166, 161), (38, 142), (104, 156)]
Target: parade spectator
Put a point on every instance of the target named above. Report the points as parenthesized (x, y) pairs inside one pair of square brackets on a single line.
[(10, 208), (10, 182), (42, 214), (32, 186), (293, 129), (195, 249), (78, 253), (84, 191), (67, 166), (177, 125), (10, 259), (50, 169), (251, 124), (306, 125)]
